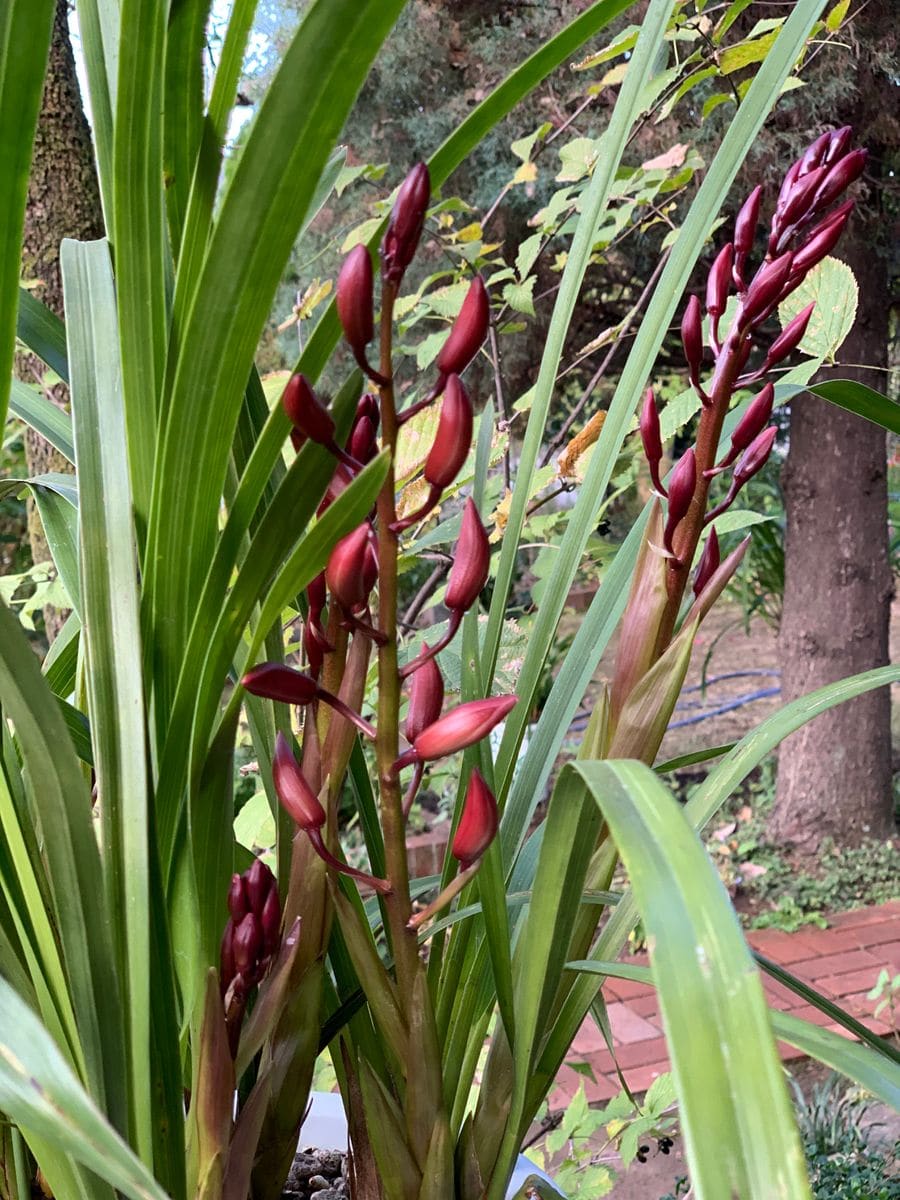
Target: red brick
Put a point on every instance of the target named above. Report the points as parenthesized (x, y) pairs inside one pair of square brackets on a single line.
[(788, 1053), (638, 1054), (784, 947), (567, 1083), (834, 964), (779, 996), (888, 952), (646, 1006), (639, 1079), (877, 936), (627, 1026), (866, 916), (833, 941), (588, 1039), (809, 1012), (626, 989), (848, 982)]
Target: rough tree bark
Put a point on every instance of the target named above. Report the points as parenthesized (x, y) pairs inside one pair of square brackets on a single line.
[(63, 201), (834, 775)]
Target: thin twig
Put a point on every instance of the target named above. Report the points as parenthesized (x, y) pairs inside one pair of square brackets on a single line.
[(425, 591), (501, 399)]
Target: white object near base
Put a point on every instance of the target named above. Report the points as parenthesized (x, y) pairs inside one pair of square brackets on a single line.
[(326, 1129)]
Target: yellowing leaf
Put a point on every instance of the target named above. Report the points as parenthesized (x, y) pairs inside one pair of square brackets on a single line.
[(836, 16), (626, 40), (527, 173), (614, 77), (469, 233), (415, 440), (313, 297), (745, 53), (833, 287)]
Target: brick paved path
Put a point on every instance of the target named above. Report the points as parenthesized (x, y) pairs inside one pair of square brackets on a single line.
[(841, 962)]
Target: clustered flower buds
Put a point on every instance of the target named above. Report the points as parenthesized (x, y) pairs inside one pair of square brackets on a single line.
[(795, 245), (249, 942)]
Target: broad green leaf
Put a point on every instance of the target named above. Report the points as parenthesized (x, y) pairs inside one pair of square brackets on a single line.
[(864, 401), (739, 1128), (24, 41), (183, 106), (110, 615), (860, 1063), (40, 1093), (754, 50), (832, 285), (836, 16)]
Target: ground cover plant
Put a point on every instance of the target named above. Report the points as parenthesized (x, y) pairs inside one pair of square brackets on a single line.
[(163, 997)]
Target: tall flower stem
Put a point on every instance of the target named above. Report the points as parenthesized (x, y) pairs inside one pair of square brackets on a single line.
[(387, 743)]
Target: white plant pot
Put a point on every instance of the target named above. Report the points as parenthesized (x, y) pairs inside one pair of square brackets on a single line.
[(326, 1128)]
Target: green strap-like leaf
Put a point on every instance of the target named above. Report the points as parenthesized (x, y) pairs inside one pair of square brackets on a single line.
[(855, 397), (185, 46), (40, 1093), (25, 27), (30, 406), (42, 332), (56, 497), (739, 1128), (110, 614)]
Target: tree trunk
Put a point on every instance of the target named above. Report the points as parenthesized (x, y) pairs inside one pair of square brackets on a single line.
[(63, 201), (834, 774)]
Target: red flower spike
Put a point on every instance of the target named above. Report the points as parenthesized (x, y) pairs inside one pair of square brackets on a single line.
[(821, 240), (260, 882), (275, 681), (406, 223), (745, 224), (246, 945), (370, 565), (787, 184), (800, 201), (755, 456), (838, 142), (340, 481), (471, 563), (682, 486), (468, 332), (652, 437), (692, 339), (270, 920), (299, 800), (308, 415), (844, 172), (453, 439), (461, 727), (426, 695), (478, 824), (368, 407), (765, 287), (349, 567), (719, 282), (237, 898), (789, 338), (314, 646), (709, 562), (754, 420)]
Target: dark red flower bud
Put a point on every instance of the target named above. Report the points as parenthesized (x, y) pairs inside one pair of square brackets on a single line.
[(314, 645), (800, 201), (692, 339), (765, 287), (838, 142), (370, 565), (406, 223), (755, 456), (270, 920), (709, 562), (471, 563), (453, 439), (368, 407), (821, 240), (355, 304), (844, 172), (260, 882), (299, 800), (784, 194), (681, 487), (651, 435), (790, 337), (226, 958), (349, 567), (718, 282), (745, 224), (317, 596), (308, 414), (246, 945), (754, 420), (813, 155), (362, 444), (478, 823), (426, 696), (461, 727), (238, 904), (275, 681), (468, 332)]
